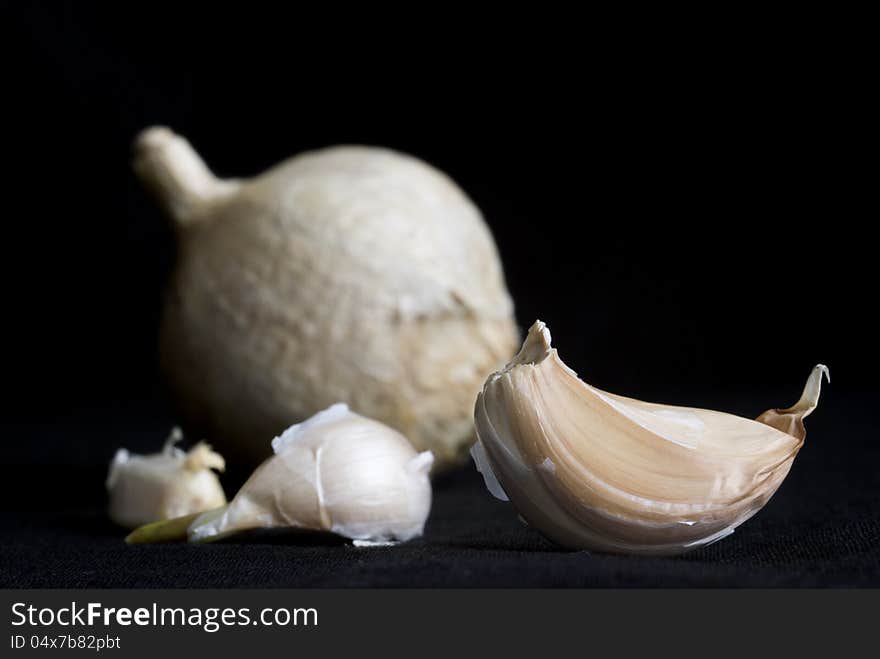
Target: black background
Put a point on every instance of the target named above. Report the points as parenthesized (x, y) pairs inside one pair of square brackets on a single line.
[(689, 216)]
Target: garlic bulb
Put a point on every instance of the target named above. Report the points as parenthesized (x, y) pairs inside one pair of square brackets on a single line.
[(337, 472), (148, 488), (592, 470), (350, 273)]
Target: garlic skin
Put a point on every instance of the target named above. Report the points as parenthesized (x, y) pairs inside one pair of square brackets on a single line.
[(337, 472), (593, 470), (150, 488), (350, 274)]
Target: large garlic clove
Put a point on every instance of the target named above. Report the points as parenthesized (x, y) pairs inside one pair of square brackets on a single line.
[(350, 274), (337, 472), (149, 488), (593, 470)]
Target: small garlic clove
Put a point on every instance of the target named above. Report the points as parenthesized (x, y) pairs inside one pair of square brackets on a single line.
[(165, 485), (593, 470), (337, 472)]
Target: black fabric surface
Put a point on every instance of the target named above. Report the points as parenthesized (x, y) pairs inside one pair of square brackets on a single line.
[(821, 529)]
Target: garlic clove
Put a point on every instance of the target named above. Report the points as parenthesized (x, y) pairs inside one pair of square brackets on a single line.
[(337, 472), (594, 470), (165, 485)]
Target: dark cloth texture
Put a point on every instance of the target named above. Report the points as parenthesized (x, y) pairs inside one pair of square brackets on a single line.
[(821, 529)]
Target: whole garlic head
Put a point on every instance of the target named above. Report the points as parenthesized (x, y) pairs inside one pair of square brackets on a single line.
[(350, 273), (150, 488), (337, 472), (593, 470)]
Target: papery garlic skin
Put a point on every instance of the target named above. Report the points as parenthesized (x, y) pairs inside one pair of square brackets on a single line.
[(159, 486), (337, 472), (593, 470), (348, 274)]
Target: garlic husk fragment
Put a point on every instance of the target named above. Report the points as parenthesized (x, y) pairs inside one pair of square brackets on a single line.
[(337, 472), (172, 483), (352, 274), (593, 470)]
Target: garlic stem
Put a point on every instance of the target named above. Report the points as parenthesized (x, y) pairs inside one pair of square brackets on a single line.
[(176, 174), (166, 530), (791, 419), (810, 397)]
